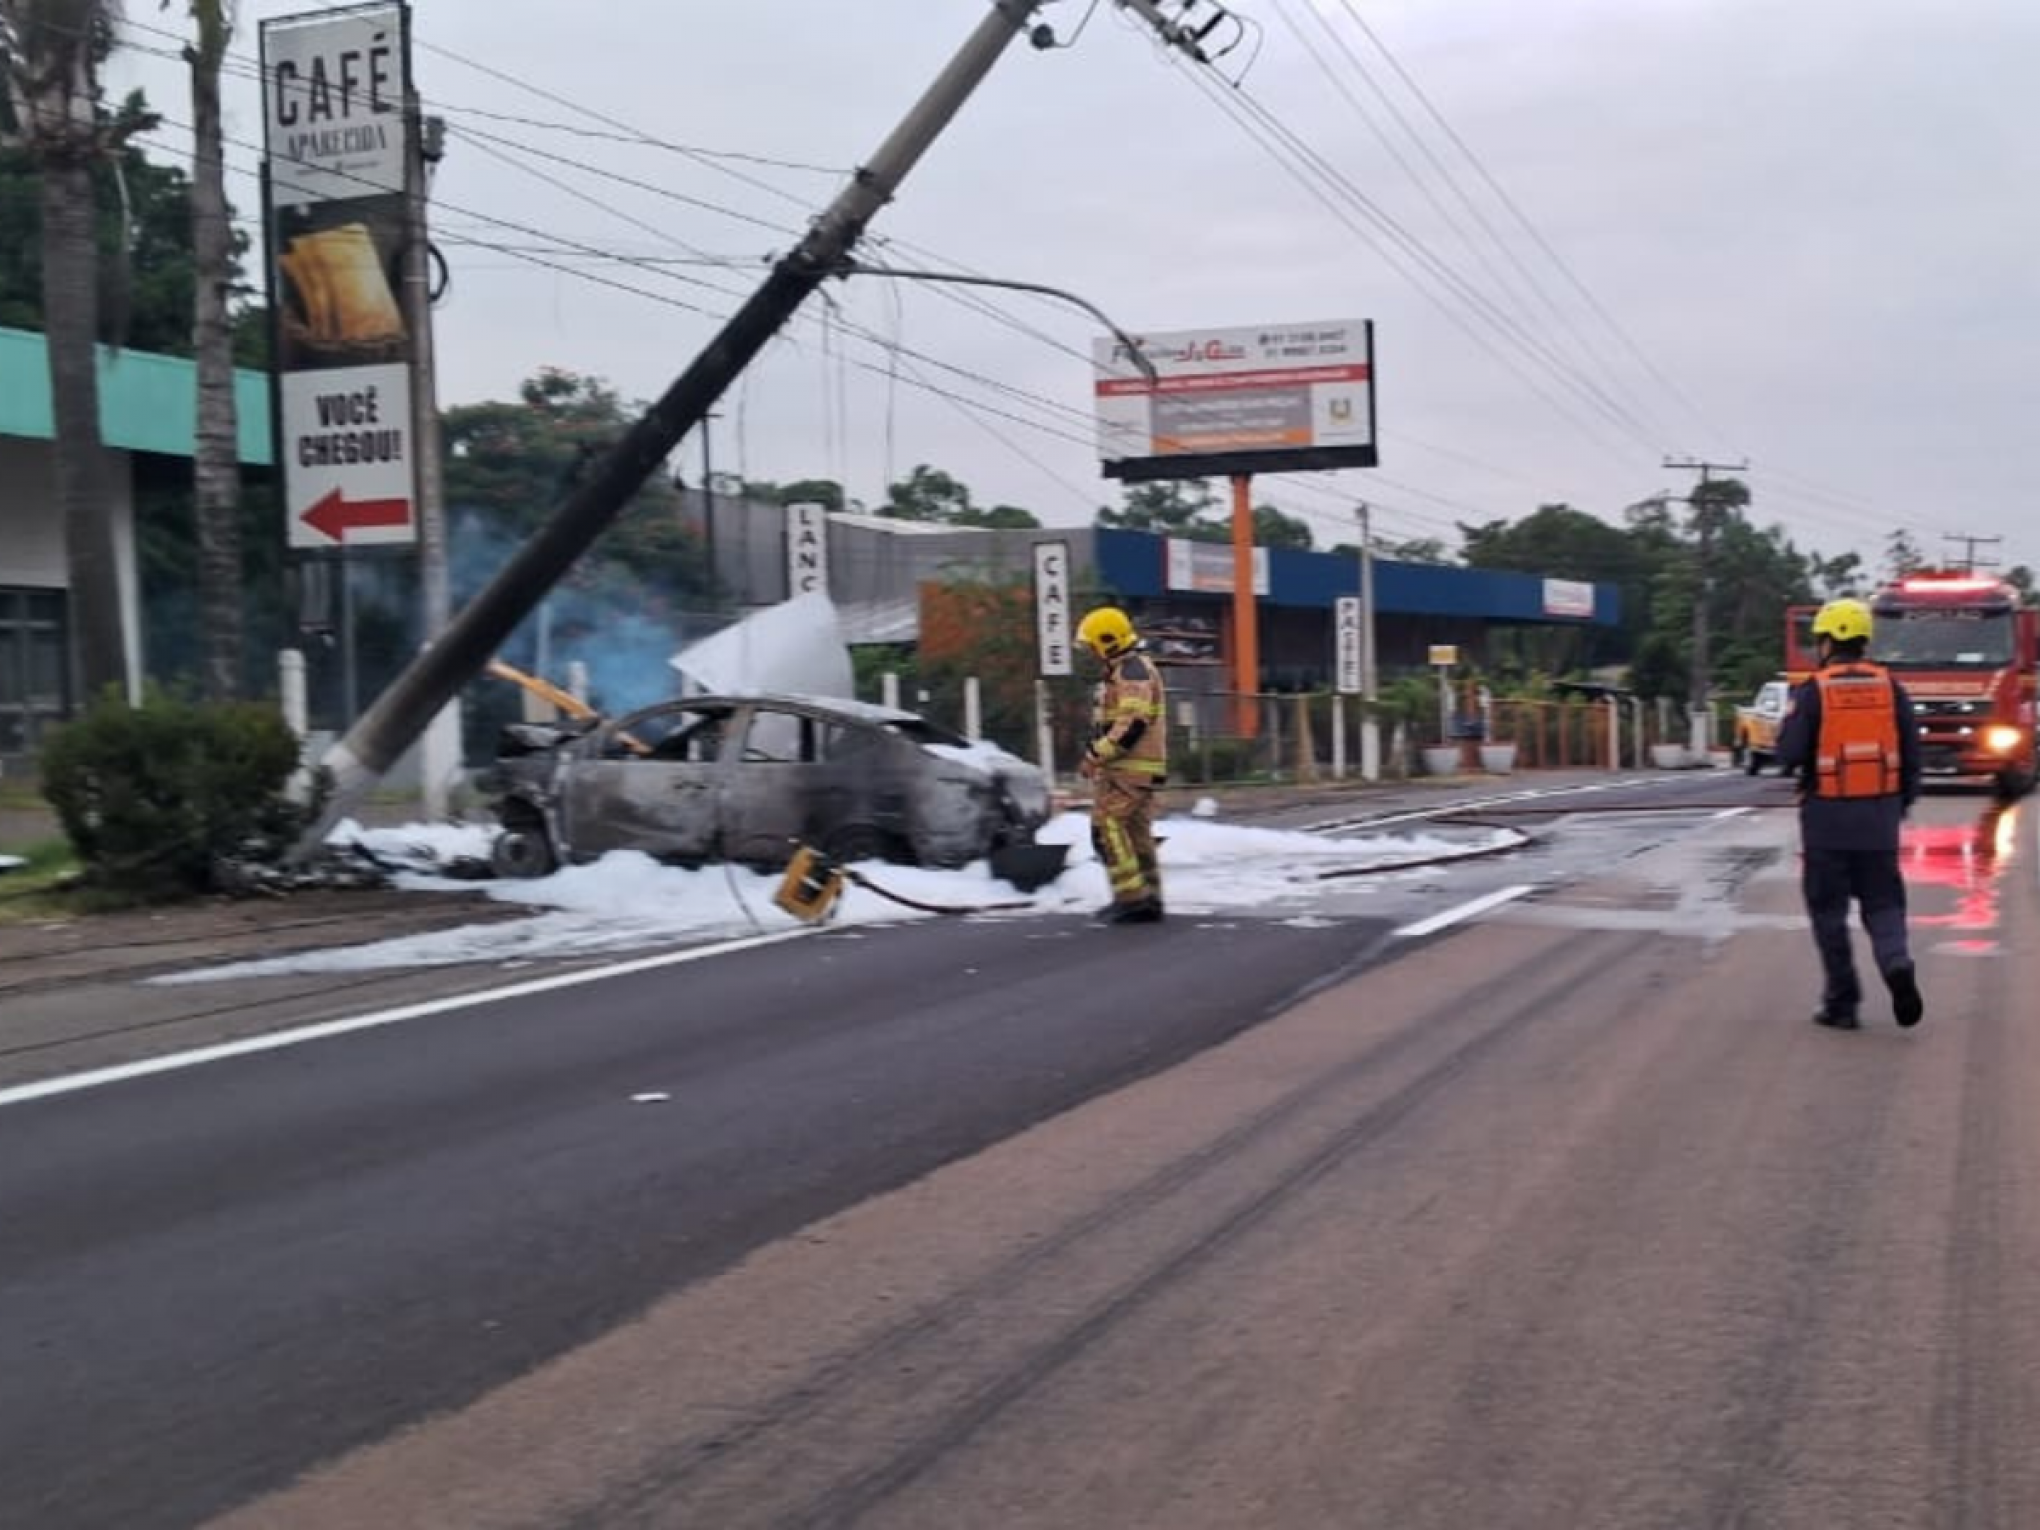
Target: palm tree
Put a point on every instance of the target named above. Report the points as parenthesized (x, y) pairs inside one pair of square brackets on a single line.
[(50, 51), (216, 455)]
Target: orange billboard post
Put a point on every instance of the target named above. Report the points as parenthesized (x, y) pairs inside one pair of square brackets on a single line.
[(1246, 616)]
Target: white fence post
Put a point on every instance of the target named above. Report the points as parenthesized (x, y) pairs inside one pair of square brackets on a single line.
[(290, 685)]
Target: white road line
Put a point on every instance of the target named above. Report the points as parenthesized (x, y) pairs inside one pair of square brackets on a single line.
[(1452, 916), (73, 1083), (1471, 804)]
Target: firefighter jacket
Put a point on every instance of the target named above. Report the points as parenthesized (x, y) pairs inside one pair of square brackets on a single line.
[(1130, 728), (1851, 739)]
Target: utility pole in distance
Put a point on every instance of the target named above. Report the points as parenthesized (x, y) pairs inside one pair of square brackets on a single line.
[(1699, 708), (1370, 728), (1969, 563)]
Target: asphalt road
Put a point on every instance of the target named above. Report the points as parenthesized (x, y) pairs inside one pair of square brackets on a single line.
[(1560, 1218), (211, 1279)]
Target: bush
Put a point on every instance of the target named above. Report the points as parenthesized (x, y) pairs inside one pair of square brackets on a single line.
[(152, 796)]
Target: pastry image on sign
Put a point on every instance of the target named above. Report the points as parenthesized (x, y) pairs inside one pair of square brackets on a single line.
[(342, 308)]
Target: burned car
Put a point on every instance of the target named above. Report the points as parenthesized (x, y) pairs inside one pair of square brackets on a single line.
[(747, 778)]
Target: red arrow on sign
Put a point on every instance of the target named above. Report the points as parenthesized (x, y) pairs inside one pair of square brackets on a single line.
[(335, 515)]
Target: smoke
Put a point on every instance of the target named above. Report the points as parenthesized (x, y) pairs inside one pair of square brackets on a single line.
[(616, 621)]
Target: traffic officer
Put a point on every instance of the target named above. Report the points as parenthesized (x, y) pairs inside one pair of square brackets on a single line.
[(1126, 762), (1850, 739)]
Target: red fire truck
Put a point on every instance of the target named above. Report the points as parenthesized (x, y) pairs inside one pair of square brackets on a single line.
[(1968, 652)]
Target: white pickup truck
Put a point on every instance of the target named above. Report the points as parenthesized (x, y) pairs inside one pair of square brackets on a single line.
[(1756, 725)]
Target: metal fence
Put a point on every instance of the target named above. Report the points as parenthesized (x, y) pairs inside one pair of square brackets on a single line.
[(1222, 737)]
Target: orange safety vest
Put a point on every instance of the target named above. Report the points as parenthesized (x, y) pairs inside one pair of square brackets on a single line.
[(1856, 754)]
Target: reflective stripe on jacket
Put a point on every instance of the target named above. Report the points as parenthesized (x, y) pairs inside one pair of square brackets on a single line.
[(1857, 753), (1133, 723)]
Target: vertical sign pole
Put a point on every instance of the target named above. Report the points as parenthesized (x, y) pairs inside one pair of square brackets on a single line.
[(350, 685), (1052, 637), (1246, 629), (1346, 673)]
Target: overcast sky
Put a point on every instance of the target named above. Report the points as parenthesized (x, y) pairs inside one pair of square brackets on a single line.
[(1813, 227)]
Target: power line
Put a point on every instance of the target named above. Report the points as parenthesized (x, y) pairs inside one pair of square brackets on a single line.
[(1523, 221), (1260, 136), (1585, 350)]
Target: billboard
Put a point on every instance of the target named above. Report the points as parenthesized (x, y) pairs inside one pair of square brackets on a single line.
[(1277, 399), (1206, 568), (337, 144), (1568, 597)]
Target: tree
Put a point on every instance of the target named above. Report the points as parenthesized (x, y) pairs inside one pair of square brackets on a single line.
[(216, 458), (1274, 529), (1168, 507), (51, 51), (1001, 517), (1902, 555), (930, 495), (825, 492), (1836, 578), (1558, 541), (143, 223), (1417, 550), (926, 494)]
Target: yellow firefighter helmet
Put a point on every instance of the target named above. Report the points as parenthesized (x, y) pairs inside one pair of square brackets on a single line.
[(1107, 632), (1843, 621)]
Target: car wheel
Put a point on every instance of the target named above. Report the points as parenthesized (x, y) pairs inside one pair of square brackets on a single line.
[(1752, 762), (523, 850)]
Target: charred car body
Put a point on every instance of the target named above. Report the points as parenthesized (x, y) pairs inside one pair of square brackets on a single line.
[(747, 778)]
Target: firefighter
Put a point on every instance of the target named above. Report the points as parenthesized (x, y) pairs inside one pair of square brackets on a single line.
[(1850, 740), (1126, 762)]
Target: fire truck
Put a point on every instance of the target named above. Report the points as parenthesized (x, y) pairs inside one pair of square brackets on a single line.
[(1968, 653)]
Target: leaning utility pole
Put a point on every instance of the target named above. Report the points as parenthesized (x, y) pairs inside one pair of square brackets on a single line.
[(1700, 710), (381, 734)]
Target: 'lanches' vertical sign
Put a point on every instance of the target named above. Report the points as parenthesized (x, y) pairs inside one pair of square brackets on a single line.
[(334, 89), (807, 549)]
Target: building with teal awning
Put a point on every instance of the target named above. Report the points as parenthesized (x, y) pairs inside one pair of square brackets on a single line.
[(148, 407)]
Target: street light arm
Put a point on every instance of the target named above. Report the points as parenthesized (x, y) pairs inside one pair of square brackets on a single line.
[(1139, 356)]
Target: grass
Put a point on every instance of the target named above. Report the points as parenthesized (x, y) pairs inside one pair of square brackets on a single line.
[(46, 887)]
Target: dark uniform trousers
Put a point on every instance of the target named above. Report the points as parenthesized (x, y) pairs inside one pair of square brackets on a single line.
[(1829, 879)]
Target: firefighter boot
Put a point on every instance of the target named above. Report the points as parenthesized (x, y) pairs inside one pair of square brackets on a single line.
[(1146, 910), (1906, 1004)]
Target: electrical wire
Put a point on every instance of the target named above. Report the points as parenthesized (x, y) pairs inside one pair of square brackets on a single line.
[(1524, 222), (1827, 505), (1585, 351)]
